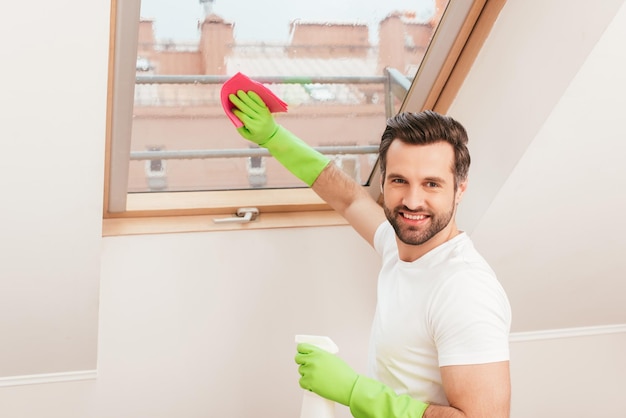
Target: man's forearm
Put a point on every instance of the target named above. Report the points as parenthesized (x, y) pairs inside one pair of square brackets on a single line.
[(337, 188), (350, 200), (439, 411)]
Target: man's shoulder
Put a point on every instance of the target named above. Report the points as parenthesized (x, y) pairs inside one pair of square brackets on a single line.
[(384, 237), (467, 256)]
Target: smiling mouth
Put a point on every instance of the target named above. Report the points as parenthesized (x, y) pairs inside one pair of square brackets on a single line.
[(413, 217)]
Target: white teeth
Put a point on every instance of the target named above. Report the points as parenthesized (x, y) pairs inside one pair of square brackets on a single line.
[(414, 217)]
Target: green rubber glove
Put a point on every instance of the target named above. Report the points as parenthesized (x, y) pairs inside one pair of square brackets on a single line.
[(258, 123), (330, 377), (325, 373), (373, 399), (259, 127)]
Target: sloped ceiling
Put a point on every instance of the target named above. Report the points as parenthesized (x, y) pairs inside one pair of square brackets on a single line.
[(544, 107)]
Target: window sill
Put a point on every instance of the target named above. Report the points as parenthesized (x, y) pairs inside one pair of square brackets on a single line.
[(204, 223), (219, 202)]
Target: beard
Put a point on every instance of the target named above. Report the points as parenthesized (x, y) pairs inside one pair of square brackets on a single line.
[(412, 235)]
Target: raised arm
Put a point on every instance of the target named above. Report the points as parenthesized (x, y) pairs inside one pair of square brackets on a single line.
[(335, 187)]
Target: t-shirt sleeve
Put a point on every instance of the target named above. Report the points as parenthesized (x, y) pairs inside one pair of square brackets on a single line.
[(470, 317), (381, 237)]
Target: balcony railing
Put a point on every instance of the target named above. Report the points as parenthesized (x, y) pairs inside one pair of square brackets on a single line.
[(395, 86)]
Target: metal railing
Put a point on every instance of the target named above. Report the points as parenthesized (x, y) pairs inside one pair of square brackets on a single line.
[(395, 85), (243, 152)]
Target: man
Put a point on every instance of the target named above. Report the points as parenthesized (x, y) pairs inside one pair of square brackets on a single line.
[(439, 342)]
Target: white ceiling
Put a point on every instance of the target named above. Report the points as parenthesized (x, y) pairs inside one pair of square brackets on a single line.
[(544, 107)]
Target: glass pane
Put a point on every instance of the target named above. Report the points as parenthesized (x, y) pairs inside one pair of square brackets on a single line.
[(332, 63)]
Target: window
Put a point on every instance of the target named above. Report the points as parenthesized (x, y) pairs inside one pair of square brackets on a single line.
[(171, 149)]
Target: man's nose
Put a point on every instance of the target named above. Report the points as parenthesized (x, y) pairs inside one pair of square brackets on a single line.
[(414, 198)]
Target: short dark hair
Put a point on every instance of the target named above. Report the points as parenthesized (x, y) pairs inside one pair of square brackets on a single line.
[(424, 128)]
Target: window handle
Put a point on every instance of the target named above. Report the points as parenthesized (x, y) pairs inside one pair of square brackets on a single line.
[(244, 215)]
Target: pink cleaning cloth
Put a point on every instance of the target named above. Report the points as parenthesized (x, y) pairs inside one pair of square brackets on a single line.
[(242, 82)]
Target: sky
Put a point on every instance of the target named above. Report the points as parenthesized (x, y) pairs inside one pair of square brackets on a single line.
[(268, 21)]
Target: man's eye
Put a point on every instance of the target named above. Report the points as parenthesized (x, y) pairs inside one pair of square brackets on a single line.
[(398, 181), (432, 184)]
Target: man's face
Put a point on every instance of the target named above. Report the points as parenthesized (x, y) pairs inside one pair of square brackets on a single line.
[(418, 189)]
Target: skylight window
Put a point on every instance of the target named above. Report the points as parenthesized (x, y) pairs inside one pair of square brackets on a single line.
[(342, 71)]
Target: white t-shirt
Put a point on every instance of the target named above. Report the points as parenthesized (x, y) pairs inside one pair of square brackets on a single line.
[(445, 308)]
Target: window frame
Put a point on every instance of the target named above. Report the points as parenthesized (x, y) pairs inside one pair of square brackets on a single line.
[(456, 43)]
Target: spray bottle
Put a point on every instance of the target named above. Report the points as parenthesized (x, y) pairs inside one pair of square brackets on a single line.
[(313, 405)]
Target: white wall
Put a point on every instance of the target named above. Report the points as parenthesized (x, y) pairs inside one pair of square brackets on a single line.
[(568, 376), (53, 87), (201, 324), (212, 317)]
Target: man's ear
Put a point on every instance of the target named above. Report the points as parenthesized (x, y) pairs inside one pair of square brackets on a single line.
[(460, 191)]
